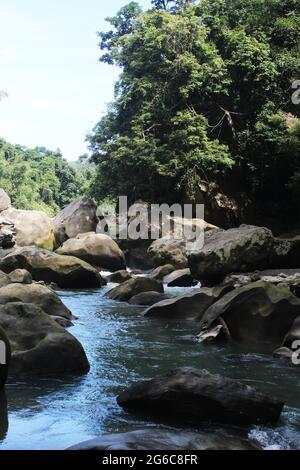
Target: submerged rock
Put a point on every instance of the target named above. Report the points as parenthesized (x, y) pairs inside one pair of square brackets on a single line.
[(167, 439), (147, 298), (180, 278), (37, 294), (235, 250), (191, 306), (96, 249), (80, 216), (39, 345), (258, 313), (32, 228), (65, 271), (193, 396), (124, 292)]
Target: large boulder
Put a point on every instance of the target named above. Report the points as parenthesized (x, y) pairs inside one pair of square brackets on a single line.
[(235, 250), (37, 294), (65, 271), (191, 306), (258, 314), (167, 439), (147, 298), (169, 251), (5, 201), (80, 216), (180, 278), (39, 345), (7, 234), (192, 396), (96, 249), (134, 286), (32, 228), (5, 356)]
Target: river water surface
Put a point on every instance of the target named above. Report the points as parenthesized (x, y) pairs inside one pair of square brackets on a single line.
[(122, 346)]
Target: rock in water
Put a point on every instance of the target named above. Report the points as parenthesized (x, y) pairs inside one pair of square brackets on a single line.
[(235, 250), (5, 202), (162, 271), (32, 228), (147, 298), (5, 356), (96, 249), (39, 345), (180, 278), (65, 271), (258, 313), (37, 294), (128, 289), (80, 216), (119, 276), (191, 306), (193, 396), (167, 439)]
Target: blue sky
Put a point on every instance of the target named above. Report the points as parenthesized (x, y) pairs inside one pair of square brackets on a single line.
[(57, 89)]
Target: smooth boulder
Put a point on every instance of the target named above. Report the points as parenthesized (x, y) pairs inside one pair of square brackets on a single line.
[(191, 306), (21, 276), (32, 228), (180, 278), (124, 292), (236, 250), (147, 298), (153, 438), (169, 251), (37, 294), (65, 271), (5, 201), (260, 314), (39, 345), (96, 249), (192, 396), (162, 271), (5, 357), (80, 216), (119, 276)]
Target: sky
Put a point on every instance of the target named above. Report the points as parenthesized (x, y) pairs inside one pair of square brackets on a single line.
[(49, 66)]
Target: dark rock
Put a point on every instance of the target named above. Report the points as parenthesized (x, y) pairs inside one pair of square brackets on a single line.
[(5, 356), (96, 249), (80, 216), (180, 278), (65, 271), (7, 234), (147, 298), (161, 272), (193, 396), (21, 276), (167, 439), (258, 313), (119, 276), (134, 286), (191, 306), (64, 322), (283, 353), (39, 345)]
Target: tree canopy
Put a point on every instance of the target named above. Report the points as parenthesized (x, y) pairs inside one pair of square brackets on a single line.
[(204, 94)]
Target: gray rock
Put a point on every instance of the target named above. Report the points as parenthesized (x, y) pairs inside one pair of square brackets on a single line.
[(147, 298), (119, 276), (80, 216), (162, 271), (193, 396), (5, 201), (124, 292), (180, 278), (21, 276)]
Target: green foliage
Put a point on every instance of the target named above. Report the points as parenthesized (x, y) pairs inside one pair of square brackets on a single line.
[(40, 179), (204, 93)]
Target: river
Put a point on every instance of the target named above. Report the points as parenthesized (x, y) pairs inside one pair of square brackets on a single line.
[(122, 346)]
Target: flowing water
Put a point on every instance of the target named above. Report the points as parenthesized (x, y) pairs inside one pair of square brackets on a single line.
[(122, 346)]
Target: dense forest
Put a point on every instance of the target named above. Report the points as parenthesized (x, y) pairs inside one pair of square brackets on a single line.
[(42, 179), (205, 94)]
